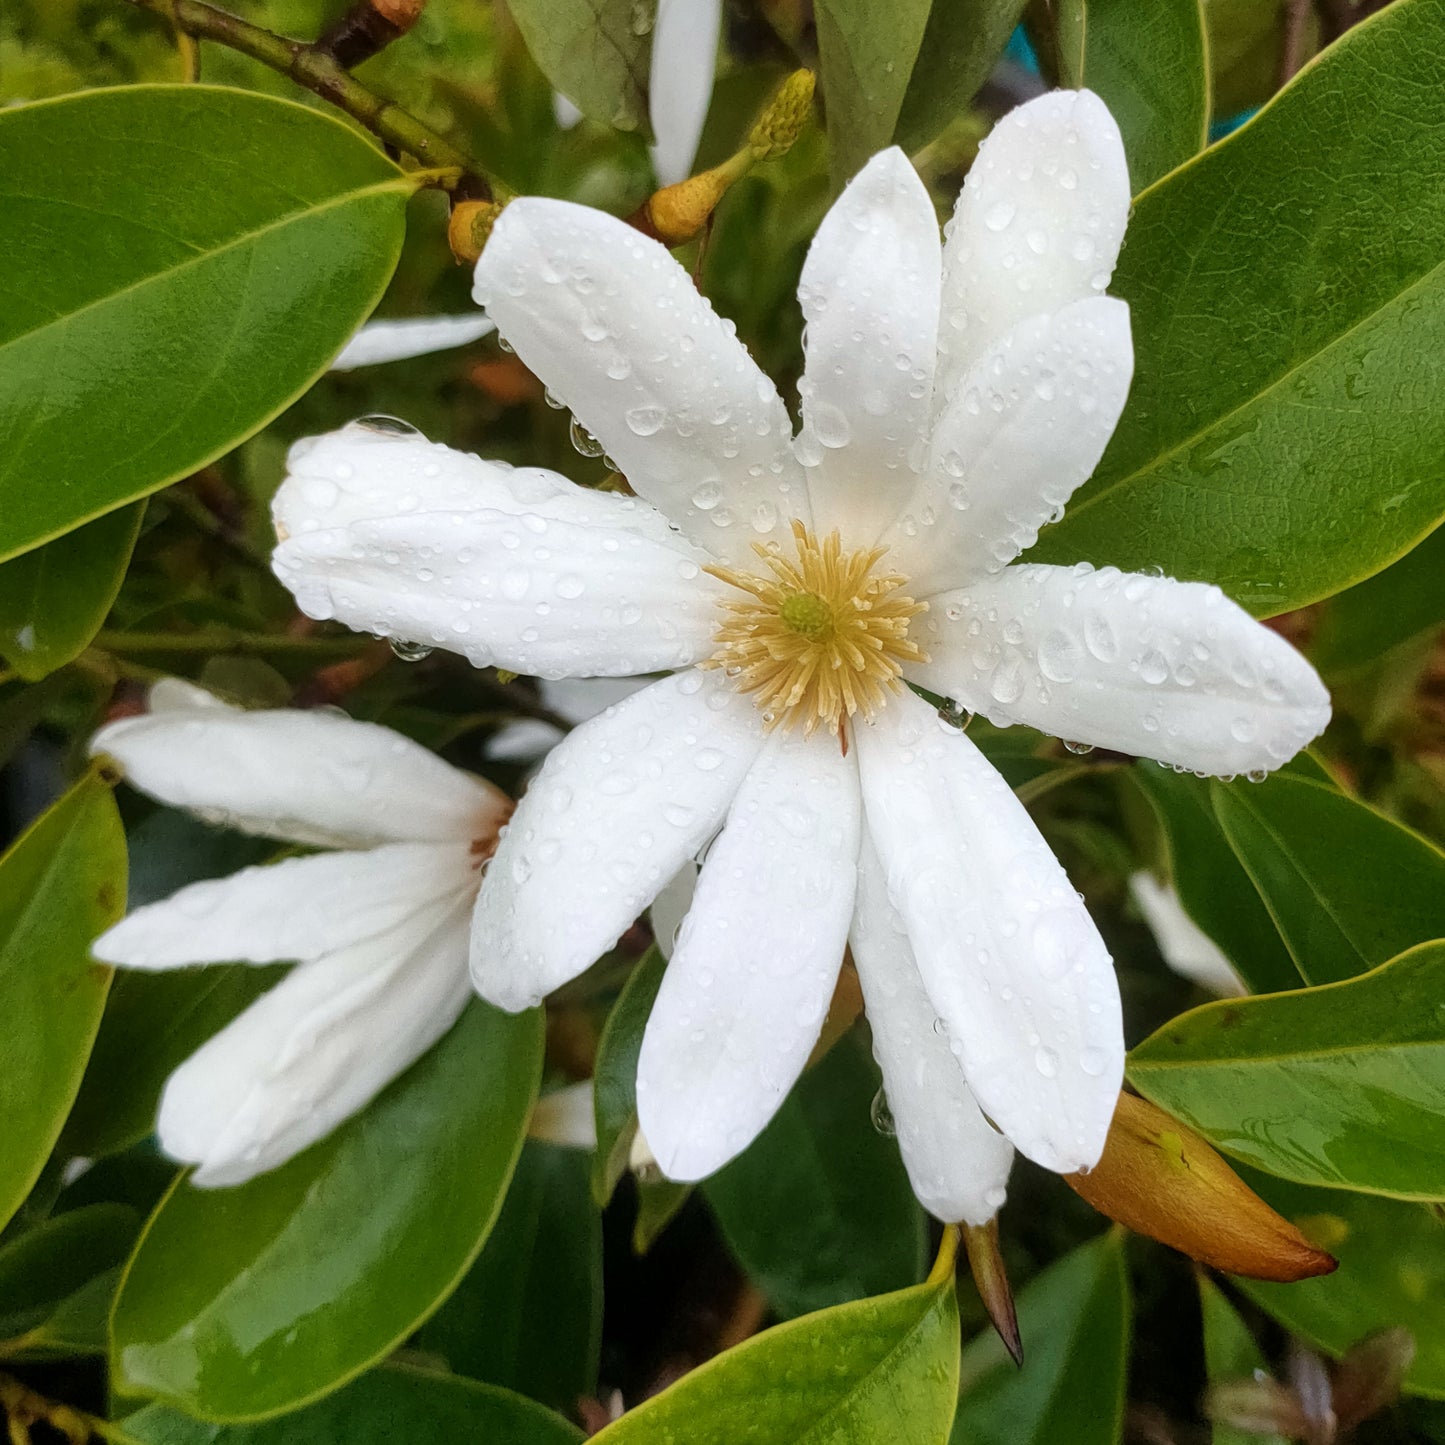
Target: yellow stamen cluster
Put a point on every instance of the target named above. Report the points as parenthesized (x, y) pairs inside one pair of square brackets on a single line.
[(821, 638)]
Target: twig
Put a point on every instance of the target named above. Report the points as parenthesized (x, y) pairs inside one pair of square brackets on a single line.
[(319, 71)]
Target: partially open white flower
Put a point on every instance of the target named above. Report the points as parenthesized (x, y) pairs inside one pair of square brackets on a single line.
[(378, 927), (400, 340), (953, 399)]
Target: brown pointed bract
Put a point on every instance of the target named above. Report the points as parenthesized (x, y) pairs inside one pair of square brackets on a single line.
[(985, 1259), (1161, 1179)]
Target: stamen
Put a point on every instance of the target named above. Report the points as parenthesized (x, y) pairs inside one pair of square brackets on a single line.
[(821, 638)]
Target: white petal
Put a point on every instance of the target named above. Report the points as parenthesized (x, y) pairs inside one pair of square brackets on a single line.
[(317, 1048), (175, 694), (380, 341), (1006, 950), (1145, 665), (297, 909), (1038, 223), (307, 777), (757, 959), (567, 1116), (617, 329), (1027, 427), (957, 1162), (573, 698), (524, 741), (671, 906), (1185, 947), (365, 472), (684, 58), (869, 293), (616, 810), (514, 589)]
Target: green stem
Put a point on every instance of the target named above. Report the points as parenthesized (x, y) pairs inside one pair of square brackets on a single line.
[(222, 640), (319, 72)]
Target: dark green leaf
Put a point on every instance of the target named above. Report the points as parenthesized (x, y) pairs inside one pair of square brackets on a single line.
[(181, 262), (1230, 1353), (1074, 1320), (1347, 887), (61, 885), (528, 1315), (876, 1372), (1389, 608), (1148, 64), (1392, 1272), (43, 1267), (1285, 442), (658, 1203), (596, 52), (818, 1209), (866, 54), (393, 1405), (961, 44), (1341, 1085), (1211, 882), (243, 1302), (614, 1078), (54, 599)]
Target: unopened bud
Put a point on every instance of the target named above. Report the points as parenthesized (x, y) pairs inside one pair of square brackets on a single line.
[(1161, 1179), (985, 1260), (782, 122), (676, 214), (470, 226)]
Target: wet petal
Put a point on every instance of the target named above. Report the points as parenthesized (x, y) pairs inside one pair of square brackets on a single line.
[(1006, 950), (957, 1163), (297, 909), (684, 58), (617, 808), (869, 293), (316, 1048), (573, 698), (380, 341), (755, 963), (1027, 427), (1145, 665), (1185, 947), (616, 328), (1038, 223), (306, 777), (539, 595)]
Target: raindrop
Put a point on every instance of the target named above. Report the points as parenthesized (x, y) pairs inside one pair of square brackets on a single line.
[(1079, 749), (1257, 775), (388, 425), (410, 651), (583, 442), (645, 421), (882, 1115), (998, 215)]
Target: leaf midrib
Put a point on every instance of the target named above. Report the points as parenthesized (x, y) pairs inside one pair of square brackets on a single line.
[(1168, 454), (399, 183)]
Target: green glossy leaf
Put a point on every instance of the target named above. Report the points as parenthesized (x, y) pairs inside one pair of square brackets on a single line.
[(596, 52), (243, 1302), (528, 1315), (1341, 1085), (393, 1405), (1388, 609), (54, 599), (1074, 1321), (1211, 882), (46, 1265), (876, 1372), (1285, 443), (1392, 1272), (659, 1201), (181, 263), (614, 1077), (818, 1209), (1347, 887), (1148, 64), (961, 44), (866, 56), (61, 885), (1230, 1353)]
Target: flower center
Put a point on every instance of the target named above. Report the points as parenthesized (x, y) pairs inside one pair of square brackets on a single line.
[(818, 637)]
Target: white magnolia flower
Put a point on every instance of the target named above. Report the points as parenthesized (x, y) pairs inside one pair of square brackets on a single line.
[(1184, 946), (378, 926), (954, 397)]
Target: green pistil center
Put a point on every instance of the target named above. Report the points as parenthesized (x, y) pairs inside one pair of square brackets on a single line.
[(808, 615)]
